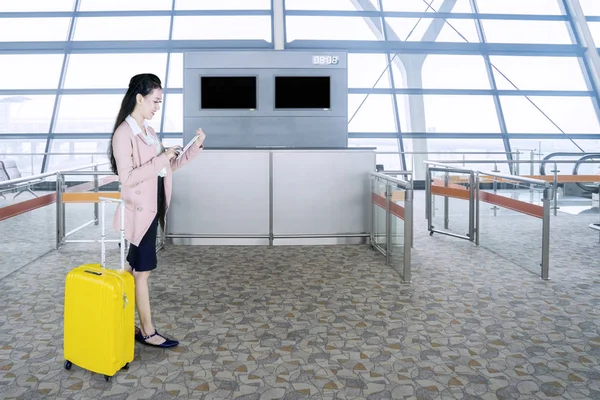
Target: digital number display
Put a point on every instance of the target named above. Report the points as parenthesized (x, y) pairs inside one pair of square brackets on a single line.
[(325, 60)]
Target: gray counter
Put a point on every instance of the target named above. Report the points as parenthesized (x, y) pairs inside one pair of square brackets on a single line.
[(261, 197)]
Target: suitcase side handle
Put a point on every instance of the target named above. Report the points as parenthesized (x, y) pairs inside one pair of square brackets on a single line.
[(103, 201)]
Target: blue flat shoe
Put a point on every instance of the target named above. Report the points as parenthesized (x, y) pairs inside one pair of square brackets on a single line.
[(166, 344)]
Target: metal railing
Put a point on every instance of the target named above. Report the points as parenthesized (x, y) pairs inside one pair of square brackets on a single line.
[(468, 189), (392, 221)]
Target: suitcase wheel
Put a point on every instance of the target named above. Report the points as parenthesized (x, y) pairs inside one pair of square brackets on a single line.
[(126, 366), (68, 364), (107, 378)]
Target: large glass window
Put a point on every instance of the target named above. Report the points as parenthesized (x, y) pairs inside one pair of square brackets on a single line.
[(28, 154), (368, 70), (112, 70), (459, 152), (122, 28), (36, 5), (26, 114), (89, 113), (519, 7), (457, 113), (223, 4), (515, 31), (77, 152), (342, 5), (538, 73), (30, 71), (222, 28), (107, 5), (329, 28), (545, 114), (34, 29), (441, 71), (390, 162), (176, 71), (372, 113), (173, 113), (448, 30)]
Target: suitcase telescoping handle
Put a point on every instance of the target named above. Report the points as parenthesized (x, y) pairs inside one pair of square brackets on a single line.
[(103, 201)]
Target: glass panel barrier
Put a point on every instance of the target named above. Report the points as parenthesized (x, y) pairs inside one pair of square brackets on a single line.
[(511, 220), (392, 222), (27, 223), (378, 231), (449, 202)]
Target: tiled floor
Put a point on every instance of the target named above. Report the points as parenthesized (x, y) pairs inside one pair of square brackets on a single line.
[(332, 323)]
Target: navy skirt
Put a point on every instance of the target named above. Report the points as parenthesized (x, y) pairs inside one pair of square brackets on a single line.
[(143, 257)]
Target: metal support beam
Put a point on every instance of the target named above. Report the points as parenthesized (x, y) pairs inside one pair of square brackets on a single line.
[(278, 24), (492, 79), (61, 84), (581, 34)]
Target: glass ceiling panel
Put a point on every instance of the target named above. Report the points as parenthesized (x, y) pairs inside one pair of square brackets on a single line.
[(506, 31), (30, 71), (376, 114), (109, 5), (222, 28), (111, 70), (36, 5), (364, 70), (26, 114), (544, 7), (328, 28), (538, 73), (34, 29), (571, 114), (122, 28), (461, 6), (223, 5), (342, 5), (450, 30)]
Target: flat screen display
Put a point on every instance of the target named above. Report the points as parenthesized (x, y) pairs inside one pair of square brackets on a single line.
[(227, 92), (302, 92)]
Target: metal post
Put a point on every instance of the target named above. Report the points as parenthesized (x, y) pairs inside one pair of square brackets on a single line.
[(555, 189), (546, 237), (103, 237), (32, 172), (495, 188), (471, 233), (373, 211), (531, 173), (477, 210), (388, 223), (271, 195), (446, 202), (517, 168), (59, 211), (408, 234), (96, 190), (428, 200)]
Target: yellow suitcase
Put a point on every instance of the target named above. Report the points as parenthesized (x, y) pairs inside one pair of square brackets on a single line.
[(99, 311)]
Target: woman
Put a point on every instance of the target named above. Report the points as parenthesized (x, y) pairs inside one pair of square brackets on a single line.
[(145, 171)]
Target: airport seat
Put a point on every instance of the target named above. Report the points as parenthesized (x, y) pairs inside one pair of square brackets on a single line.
[(9, 169)]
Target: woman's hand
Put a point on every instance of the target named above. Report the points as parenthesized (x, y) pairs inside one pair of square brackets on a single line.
[(200, 136), (172, 152)]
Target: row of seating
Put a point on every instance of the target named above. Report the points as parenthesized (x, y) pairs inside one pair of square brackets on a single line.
[(10, 171)]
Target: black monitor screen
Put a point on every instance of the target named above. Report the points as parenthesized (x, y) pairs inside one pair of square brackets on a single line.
[(302, 92), (228, 92)]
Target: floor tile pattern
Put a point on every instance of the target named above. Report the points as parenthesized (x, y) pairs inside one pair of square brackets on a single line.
[(331, 322)]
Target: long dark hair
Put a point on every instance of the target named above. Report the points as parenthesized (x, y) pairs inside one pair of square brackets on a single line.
[(142, 84)]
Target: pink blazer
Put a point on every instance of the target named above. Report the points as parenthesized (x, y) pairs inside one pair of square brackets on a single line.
[(138, 167)]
